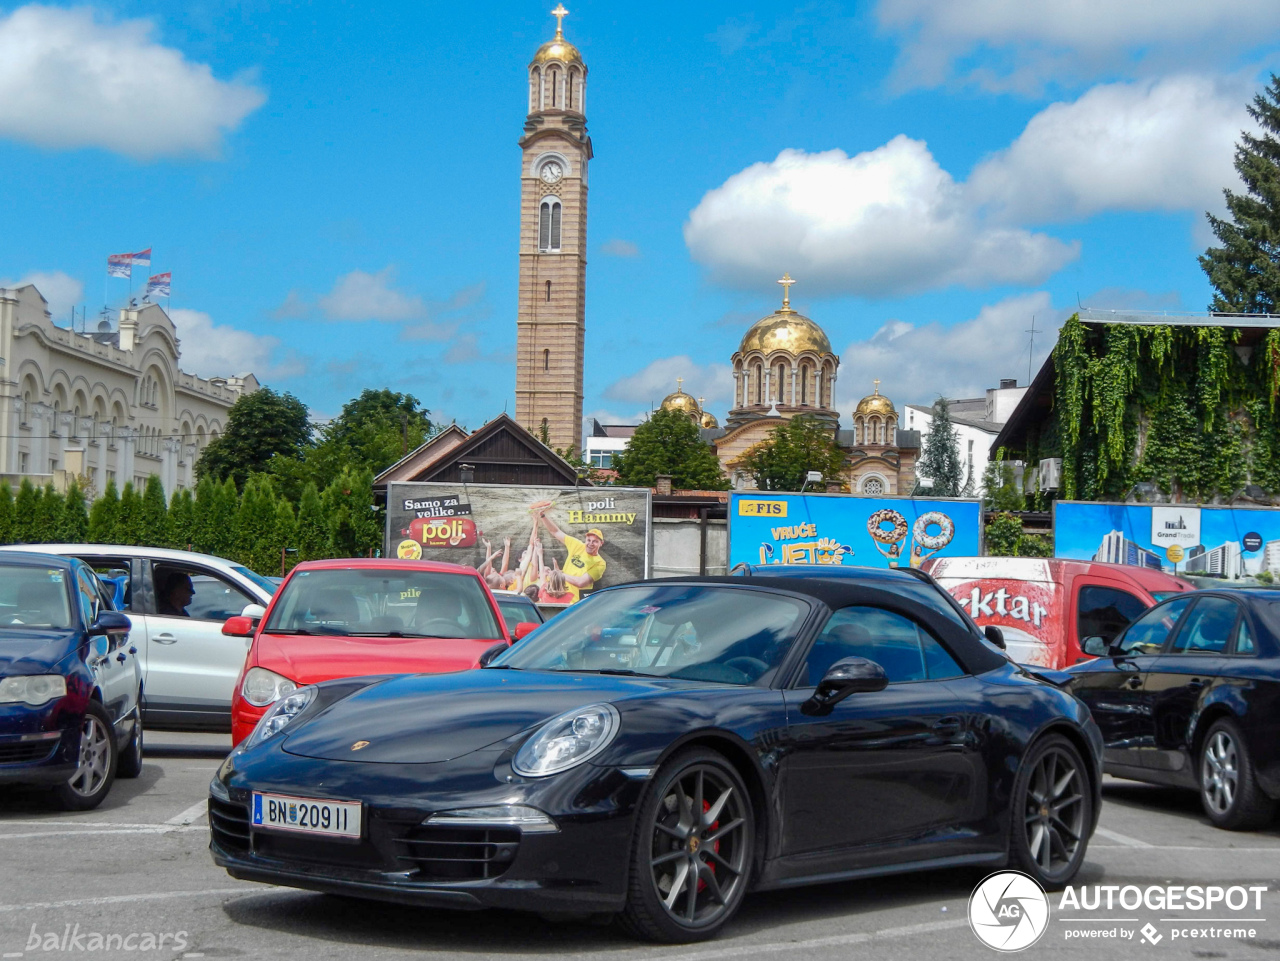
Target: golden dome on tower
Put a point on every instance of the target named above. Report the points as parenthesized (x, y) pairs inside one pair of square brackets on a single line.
[(709, 420), (558, 48), (875, 403), (784, 329), (682, 402)]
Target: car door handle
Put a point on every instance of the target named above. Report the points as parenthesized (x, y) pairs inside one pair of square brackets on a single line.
[(947, 725), (165, 639), (1133, 683), (1195, 684), (122, 657), (133, 650)]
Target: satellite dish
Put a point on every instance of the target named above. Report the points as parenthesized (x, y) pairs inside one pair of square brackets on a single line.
[(104, 326)]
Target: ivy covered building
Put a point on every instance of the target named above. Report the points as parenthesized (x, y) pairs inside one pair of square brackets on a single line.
[(1161, 407)]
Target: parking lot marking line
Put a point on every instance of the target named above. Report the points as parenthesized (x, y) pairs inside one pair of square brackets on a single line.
[(249, 888), (149, 829), (1156, 848), (1122, 838), (64, 822), (837, 940), (193, 813)]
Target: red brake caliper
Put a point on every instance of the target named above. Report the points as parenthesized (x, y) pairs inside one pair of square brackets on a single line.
[(702, 885)]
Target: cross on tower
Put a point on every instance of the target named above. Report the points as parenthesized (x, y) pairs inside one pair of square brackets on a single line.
[(877, 384), (786, 282), (559, 13), (679, 385)]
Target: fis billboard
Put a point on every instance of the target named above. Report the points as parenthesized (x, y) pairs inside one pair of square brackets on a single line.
[(554, 544), (1226, 542), (768, 528)]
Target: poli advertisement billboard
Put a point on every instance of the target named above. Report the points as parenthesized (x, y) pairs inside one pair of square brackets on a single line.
[(554, 544), (768, 528), (1226, 542)]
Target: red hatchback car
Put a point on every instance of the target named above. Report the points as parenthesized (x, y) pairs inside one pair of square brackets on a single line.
[(353, 617)]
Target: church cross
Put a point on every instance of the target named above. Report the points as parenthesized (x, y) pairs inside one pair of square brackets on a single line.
[(559, 13), (786, 282), (679, 385), (877, 383)]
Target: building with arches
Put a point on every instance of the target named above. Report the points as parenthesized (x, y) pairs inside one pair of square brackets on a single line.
[(108, 405)]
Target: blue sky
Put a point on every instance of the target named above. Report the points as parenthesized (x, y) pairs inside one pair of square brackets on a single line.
[(335, 186)]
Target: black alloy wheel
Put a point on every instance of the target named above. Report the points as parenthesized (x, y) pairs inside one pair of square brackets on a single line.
[(692, 851), (1229, 788), (1052, 812)]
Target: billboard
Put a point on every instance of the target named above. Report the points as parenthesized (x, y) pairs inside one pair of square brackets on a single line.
[(1225, 542), (768, 528), (555, 544)]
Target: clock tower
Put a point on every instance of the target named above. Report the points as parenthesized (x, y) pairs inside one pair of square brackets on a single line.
[(551, 323)]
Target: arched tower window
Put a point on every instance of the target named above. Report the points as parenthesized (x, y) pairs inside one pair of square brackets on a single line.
[(549, 226), (804, 386), (759, 378), (546, 359), (781, 373), (555, 86), (548, 291)]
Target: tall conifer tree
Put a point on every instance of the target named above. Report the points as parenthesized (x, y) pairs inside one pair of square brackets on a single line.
[(24, 511), (129, 519), (74, 525), (312, 532), (104, 516), (940, 459), (154, 514)]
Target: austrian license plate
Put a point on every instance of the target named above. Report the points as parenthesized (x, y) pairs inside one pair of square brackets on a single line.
[(281, 812)]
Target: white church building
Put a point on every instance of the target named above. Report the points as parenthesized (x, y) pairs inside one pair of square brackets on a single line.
[(110, 404)]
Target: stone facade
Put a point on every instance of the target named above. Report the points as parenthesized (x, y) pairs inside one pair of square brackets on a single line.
[(109, 405), (551, 323)]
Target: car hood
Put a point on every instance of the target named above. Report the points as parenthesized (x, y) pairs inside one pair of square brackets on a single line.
[(32, 652), (424, 719), (309, 660)]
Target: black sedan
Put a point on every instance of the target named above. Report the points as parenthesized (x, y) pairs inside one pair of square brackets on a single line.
[(70, 681), (659, 749), (1189, 696)]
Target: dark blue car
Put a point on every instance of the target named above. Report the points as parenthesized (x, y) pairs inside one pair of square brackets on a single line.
[(70, 681)]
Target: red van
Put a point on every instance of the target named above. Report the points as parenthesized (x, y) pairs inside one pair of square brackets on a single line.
[(1047, 606)]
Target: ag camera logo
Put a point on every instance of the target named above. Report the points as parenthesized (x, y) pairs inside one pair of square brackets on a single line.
[(1008, 911)]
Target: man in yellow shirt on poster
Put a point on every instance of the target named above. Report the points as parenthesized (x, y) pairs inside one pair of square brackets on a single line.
[(584, 566)]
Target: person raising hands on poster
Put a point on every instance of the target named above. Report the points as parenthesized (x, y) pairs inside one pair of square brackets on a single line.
[(583, 567)]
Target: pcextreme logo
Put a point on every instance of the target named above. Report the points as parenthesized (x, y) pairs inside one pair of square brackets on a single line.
[(1008, 911)]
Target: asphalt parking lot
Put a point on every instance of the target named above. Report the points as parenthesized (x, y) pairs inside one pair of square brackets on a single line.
[(138, 865)]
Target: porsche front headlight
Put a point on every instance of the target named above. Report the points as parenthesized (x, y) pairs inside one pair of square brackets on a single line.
[(568, 740), (280, 716)]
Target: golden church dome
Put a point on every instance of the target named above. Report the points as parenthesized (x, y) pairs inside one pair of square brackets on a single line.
[(875, 403), (709, 420), (682, 402), (784, 329), (558, 48)]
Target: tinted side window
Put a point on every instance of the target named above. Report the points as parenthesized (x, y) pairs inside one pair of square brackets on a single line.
[(1105, 612), (904, 649), (1149, 632), (113, 572), (1208, 627), (191, 592), (1244, 639), (87, 596)]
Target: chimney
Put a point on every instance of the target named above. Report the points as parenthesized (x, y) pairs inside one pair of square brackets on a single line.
[(1006, 383), (128, 329), (662, 484)]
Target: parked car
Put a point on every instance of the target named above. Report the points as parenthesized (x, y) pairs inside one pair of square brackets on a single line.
[(517, 609), (189, 666), (341, 618), (1189, 696), (1046, 607), (661, 748), (70, 681)]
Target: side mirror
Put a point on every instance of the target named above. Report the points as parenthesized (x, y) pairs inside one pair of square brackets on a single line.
[(994, 635), (110, 622), (1096, 646), (849, 675), (524, 629), (239, 626), (491, 653), (253, 611)]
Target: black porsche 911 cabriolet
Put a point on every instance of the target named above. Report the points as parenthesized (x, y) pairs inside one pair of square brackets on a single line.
[(661, 748)]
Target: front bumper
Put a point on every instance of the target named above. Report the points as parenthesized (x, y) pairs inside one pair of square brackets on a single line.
[(581, 868), (38, 744)]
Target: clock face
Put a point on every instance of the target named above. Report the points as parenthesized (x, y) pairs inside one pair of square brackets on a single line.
[(552, 172)]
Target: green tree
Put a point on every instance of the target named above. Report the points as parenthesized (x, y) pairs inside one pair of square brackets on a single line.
[(48, 516), (940, 459), (1000, 486), (25, 506), (104, 516), (312, 537), (256, 526), (795, 447), (1245, 270), (284, 536), (203, 534), (355, 528), (669, 443), (6, 513), (129, 519), (182, 520), (1003, 534), (260, 426), (154, 515), (74, 525), (226, 507)]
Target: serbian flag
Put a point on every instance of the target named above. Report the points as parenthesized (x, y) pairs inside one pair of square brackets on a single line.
[(158, 285), (120, 265), (142, 258)]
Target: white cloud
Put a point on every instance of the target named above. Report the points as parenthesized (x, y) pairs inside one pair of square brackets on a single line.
[(360, 295), (1012, 44), (1152, 145), (620, 248), (658, 379), (914, 362), (61, 291), (212, 350), (885, 222), (68, 80)]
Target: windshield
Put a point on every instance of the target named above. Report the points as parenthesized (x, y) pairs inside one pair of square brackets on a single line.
[(384, 603), (34, 597), (266, 583), (699, 632)]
